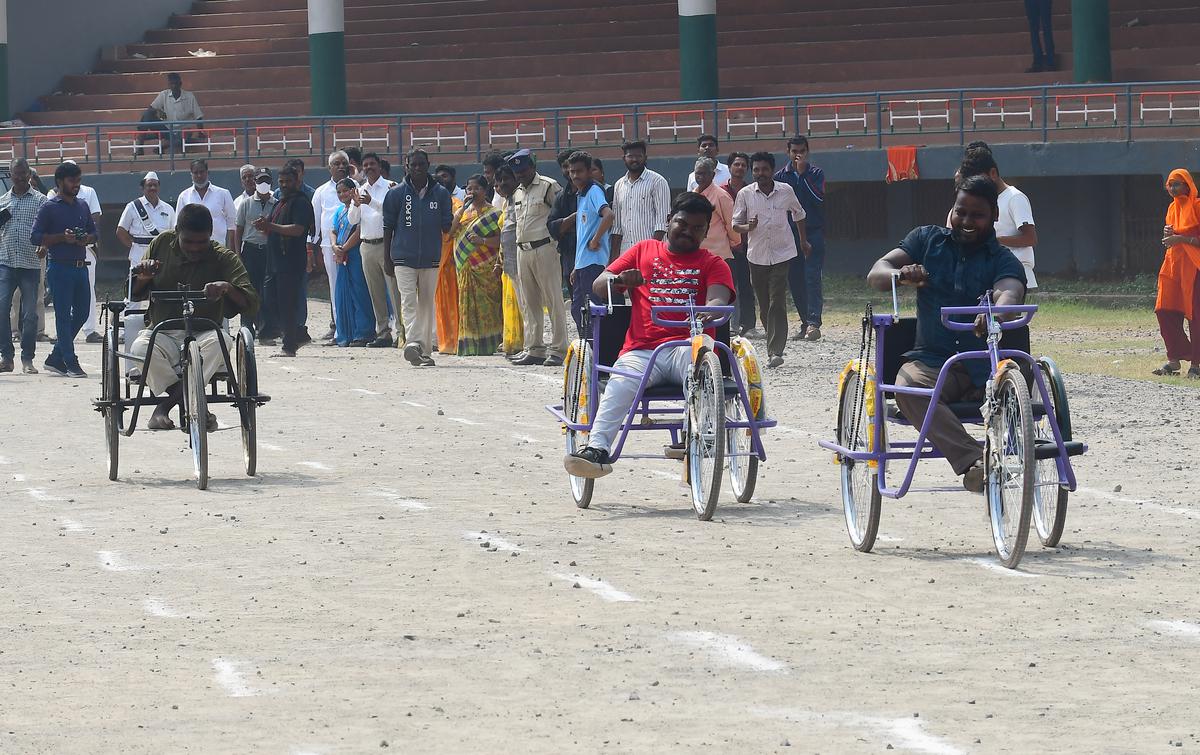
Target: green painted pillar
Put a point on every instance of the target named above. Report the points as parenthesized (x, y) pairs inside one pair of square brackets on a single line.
[(698, 49), (5, 108), (1090, 41), (327, 56)]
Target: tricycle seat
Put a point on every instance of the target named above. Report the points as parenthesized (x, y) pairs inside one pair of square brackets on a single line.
[(964, 410), (669, 392)]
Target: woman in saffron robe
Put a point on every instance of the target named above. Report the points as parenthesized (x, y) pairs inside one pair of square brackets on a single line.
[(446, 293), (480, 293), (1178, 288)]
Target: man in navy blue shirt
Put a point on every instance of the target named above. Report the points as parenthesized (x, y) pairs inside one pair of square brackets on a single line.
[(65, 226), (804, 276), (415, 215), (952, 267)]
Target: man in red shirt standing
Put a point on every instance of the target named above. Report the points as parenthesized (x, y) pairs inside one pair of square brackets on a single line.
[(654, 273)]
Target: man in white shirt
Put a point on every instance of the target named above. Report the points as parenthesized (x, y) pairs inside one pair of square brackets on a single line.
[(88, 196), (325, 203), (142, 220), (246, 175), (641, 201), (178, 106), (375, 257), (1014, 228), (706, 146), (218, 201)]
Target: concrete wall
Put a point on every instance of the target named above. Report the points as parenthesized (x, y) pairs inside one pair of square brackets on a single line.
[(38, 61)]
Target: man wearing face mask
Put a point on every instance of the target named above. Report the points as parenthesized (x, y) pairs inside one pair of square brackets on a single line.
[(141, 222), (188, 257), (218, 201), (254, 245), (325, 203)]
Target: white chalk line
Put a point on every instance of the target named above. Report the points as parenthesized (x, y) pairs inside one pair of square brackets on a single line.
[(5, 460), (155, 607), (1176, 510), (907, 733), (991, 565), (414, 403), (326, 379), (366, 392), (889, 539), (315, 465), (399, 500), (38, 494), (70, 525), (269, 446), (230, 675), (115, 561), (1181, 628), (729, 650), (497, 542), (598, 587), (535, 375), (464, 421)]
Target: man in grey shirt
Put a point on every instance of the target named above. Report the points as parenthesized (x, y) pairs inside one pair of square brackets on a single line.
[(20, 267), (253, 244)]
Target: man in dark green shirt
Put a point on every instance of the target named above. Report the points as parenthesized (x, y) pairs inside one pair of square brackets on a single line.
[(187, 257)]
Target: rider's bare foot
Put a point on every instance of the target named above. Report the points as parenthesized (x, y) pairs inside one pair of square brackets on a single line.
[(160, 421)]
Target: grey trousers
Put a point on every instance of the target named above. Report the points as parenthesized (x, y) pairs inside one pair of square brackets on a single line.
[(946, 431), (382, 287), (771, 288)]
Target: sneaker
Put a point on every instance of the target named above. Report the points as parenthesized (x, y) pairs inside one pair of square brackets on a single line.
[(28, 368), (285, 353), (813, 334), (383, 342), (94, 338), (427, 362), (751, 333), (799, 335), (973, 479), (55, 367), (76, 372), (775, 361), (412, 352), (514, 357), (6, 365), (589, 463), (553, 361), (43, 338), (330, 335), (303, 337), (528, 359), (361, 342)]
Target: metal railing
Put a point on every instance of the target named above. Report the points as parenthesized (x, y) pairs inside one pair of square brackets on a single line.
[(1030, 114)]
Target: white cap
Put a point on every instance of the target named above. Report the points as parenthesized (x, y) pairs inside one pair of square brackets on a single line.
[(150, 176), (69, 160)]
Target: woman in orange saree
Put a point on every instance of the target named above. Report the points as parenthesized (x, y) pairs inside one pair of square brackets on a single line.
[(1178, 288), (446, 295)]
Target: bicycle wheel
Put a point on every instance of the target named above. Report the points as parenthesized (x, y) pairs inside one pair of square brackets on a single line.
[(577, 375), (110, 390), (705, 423), (861, 501), (1050, 494), (247, 385), (197, 414), (1009, 466), (740, 458)]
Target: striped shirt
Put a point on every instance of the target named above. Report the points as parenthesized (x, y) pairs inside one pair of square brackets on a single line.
[(640, 207), (15, 248)]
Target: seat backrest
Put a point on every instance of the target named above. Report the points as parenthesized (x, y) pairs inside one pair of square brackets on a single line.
[(615, 326), (902, 336)]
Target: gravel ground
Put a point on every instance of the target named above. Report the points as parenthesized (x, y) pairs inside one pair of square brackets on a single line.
[(408, 573)]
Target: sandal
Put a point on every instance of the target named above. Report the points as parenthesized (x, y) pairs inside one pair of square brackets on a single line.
[(1168, 369)]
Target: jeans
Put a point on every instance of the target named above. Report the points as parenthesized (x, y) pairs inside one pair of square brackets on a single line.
[(289, 287), (1040, 25), (804, 280), (581, 293), (26, 281), (744, 317), (70, 290), (254, 257), (770, 286), (670, 367)]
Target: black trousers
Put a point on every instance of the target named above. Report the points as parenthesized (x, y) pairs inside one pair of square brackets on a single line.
[(254, 257), (289, 284), (1040, 28)]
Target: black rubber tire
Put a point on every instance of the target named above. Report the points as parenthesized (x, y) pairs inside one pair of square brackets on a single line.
[(579, 357), (862, 534), (743, 470), (1010, 428), (247, 385), (710, 393), (1050, 529), (197, 414), (110, 390)]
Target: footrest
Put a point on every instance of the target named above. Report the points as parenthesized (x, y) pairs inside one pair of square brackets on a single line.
[(1045, 449)]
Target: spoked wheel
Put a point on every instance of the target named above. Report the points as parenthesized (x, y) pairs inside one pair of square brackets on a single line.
[(740, 457), (1009, 467), (860, 490), (577, 374), (197, 414), (1049, 492), (247, 385), (110, 390), (705, 442)]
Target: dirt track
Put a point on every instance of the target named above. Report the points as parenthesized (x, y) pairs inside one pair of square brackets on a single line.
[(408, 569)]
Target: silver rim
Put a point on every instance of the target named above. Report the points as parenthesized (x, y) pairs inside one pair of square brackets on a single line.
[(858, 480), (705, 428), (1046, 485), (578, 484), (737, 444), (1006, 472), (576, 439)]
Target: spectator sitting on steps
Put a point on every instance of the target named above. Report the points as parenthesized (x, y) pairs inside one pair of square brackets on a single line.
[(178, 106)]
